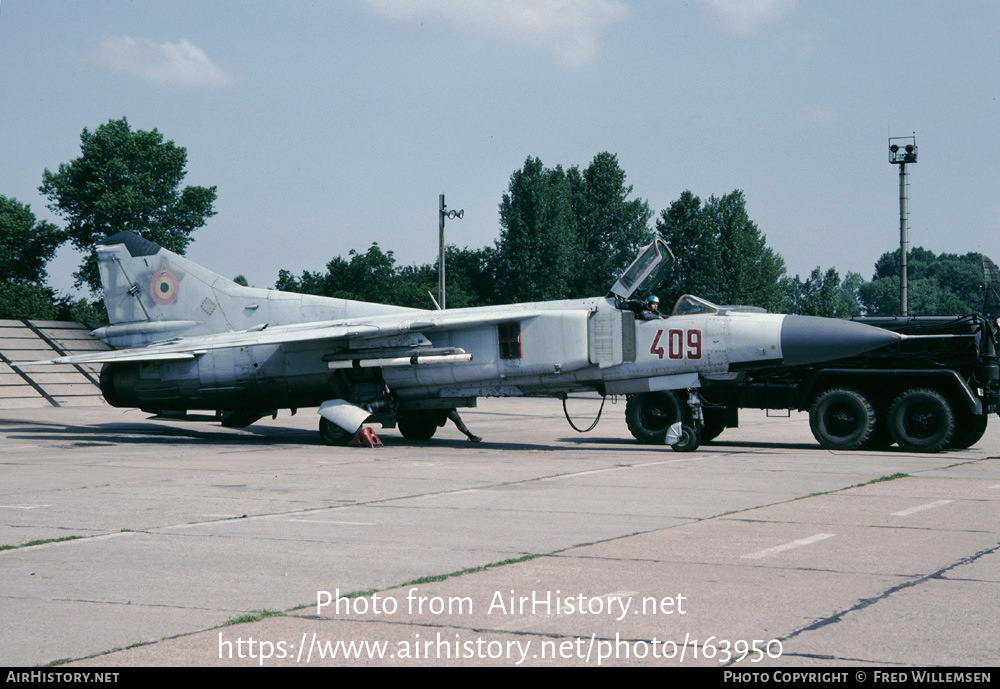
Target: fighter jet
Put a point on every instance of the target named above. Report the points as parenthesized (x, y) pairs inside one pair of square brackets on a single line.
[(189, 339)]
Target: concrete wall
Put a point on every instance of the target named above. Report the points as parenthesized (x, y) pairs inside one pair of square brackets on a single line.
[(52, 385)]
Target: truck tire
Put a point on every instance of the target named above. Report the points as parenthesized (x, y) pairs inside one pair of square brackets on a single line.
[(715, 423), (418, 426), (842, 419), (921, 420), (332, 434), (649, 414), (969, 429)]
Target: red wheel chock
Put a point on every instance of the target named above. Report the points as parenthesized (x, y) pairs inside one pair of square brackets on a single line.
[(365, 438)]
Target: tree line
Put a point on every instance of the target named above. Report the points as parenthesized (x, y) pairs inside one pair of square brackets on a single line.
[(563, 233)]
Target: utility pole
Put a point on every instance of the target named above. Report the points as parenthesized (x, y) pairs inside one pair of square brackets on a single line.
[(902, 150), (443, 213)]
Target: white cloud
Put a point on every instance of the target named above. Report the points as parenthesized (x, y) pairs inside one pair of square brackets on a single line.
[(570, 28), (745, 16), (160, 63)]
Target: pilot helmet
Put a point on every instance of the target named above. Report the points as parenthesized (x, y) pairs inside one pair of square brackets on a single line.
[(652, 299)]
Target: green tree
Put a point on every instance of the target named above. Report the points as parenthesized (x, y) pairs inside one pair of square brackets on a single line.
[(537, 252), (125, 180), (722, 254), (698, 265), (82, 311), (469, 276), (752, 269), (413, 283), (373, 276), (366, 277), (26, 246), (286, 282), (566, 233), (35, 302), (611, 228), (823, 294), (936, 284), (369, 276), (469, 280), (309, 283)]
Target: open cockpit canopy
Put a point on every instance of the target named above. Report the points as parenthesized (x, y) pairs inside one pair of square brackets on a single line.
[(646, 270)]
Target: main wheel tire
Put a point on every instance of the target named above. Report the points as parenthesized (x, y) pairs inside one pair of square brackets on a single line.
[(842, 419), (690, 439), (922, 420), (650, 414), (970, 428), (418, 426), (332, 434), (715, 423)]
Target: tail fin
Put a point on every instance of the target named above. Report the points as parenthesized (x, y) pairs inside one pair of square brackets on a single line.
[(153, 294)]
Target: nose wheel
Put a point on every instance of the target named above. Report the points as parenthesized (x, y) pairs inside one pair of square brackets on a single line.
[(689, 438)]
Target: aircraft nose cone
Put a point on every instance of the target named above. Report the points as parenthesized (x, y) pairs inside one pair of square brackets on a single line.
[(810, 339)]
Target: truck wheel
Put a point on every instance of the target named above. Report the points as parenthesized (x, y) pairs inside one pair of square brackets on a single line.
[(332, 434), (921, 420), (842, 419), (715, 423), (970, 429), (418, 426), (649, 414)]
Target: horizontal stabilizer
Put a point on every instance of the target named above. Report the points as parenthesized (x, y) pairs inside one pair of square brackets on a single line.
[(111, 357)]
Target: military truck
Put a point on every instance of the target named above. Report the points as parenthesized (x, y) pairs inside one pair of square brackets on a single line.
[(930, 392)]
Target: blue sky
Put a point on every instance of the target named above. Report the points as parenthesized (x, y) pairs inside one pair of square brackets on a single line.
[(329, 125)]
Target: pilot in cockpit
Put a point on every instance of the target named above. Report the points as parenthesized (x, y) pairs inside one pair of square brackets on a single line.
[(651, 311)]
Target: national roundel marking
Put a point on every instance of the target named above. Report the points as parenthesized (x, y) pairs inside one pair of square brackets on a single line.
[(163, 287)]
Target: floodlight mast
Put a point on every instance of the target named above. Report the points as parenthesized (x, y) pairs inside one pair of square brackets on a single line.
[(902, 150), (443, 213)]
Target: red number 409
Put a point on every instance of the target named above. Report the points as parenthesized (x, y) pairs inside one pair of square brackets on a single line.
[(678, 344)]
